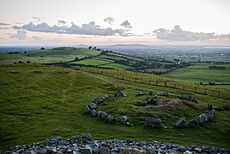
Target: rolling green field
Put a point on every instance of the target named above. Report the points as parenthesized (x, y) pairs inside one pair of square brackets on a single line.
[(54, 55), (202, 73), (100, 62), (38, 101)]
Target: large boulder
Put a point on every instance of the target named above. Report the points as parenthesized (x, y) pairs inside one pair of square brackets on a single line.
[(193, 122), (152, 122), (181, 122)]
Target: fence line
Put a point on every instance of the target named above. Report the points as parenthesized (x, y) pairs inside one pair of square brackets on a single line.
[(161, 82)]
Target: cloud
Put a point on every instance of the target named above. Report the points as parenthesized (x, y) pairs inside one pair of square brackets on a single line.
[(21, 35), (178, 34), (85, 29), (109, 20), (126, 24), (4, 24)]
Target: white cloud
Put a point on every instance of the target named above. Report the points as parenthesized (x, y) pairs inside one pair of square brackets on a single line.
[(21, 35), (86, 29), (178, 34)]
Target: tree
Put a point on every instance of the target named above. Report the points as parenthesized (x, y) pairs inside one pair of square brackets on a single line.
[(90, 47)]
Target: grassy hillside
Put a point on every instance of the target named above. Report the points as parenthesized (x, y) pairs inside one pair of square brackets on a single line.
[(55, 55), (38, 101)]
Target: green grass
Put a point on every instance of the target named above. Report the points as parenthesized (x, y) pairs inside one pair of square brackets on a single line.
[(202, 73), (92, 62), (48, 56), (37, 102)]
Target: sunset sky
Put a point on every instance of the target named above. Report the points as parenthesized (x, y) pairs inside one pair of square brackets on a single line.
[(72, 22)]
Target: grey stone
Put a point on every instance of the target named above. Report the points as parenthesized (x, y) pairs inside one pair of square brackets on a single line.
[(87, 109), (202, 118), (99, 114), (93, 106), (153, 122), (148, 100), (193, 122), (124, 119), (93, 112), (110, 118), (104, 115), (212, 115), (181, 122)]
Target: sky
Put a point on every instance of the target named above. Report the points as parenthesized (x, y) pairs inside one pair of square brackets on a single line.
[(72, 22)]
